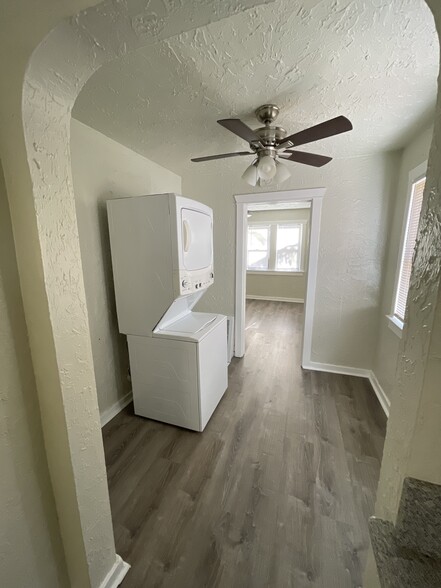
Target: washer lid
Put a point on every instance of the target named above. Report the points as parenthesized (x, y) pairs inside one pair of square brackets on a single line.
[(193, 327), (193, 322)]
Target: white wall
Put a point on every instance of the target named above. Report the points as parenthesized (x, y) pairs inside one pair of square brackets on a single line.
[(385, 361), (352, 246), (30, 549), (289, 287), (103, 169)]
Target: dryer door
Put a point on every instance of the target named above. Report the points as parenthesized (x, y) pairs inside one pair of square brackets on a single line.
[(197, 239)]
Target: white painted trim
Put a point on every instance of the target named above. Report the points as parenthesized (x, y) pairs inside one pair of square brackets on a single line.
[(116, 574), (282, 196), (313, 195), (395, 324), (311, 281), (275, 273), (108, 414), (274, 298), (279, 206), (358, 373), (331, 368), (380, 393), (241, 253)]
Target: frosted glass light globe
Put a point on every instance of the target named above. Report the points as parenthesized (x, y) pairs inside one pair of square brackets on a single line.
[(250, 174), (282, 173), (266, 167)]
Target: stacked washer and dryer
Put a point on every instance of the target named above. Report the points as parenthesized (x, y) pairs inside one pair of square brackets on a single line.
[(162, 258)]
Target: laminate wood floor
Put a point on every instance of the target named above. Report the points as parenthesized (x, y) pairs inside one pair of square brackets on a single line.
[(276, 492)]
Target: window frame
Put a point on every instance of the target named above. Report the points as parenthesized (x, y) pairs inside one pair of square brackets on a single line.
[(268, 249), (415, 175), (273, 224)]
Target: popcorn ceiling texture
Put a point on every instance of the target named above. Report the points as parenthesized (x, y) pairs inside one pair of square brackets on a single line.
[(375, 62)]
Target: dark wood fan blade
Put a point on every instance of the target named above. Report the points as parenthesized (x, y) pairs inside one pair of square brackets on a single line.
[(236, 126), (332, 127), (222, 156), (306, 158)]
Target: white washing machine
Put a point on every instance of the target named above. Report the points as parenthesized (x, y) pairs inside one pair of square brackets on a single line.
[(162, 257)]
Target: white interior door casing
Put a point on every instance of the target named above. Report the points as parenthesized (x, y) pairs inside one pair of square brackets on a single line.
[(315, 197)]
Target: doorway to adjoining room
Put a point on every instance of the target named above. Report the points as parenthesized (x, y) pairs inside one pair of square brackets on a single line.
[(276, 265), (276, 261)]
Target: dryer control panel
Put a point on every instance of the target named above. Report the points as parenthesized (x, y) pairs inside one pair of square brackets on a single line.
[(190, 282)]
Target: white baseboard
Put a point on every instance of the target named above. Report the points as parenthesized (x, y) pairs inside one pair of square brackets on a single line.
[(381, 394), (336, 369), (274, 298), (108, 414), (351, 371), (116, 574)]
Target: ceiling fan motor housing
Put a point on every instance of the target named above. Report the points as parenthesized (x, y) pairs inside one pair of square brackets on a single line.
[(267, 113), (269, 135)]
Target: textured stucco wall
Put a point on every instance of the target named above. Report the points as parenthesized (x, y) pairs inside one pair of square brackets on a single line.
[(281, 286), (352, 247), (414, 422), (30, 549), (385, 361), (103, 169), (413, 431)]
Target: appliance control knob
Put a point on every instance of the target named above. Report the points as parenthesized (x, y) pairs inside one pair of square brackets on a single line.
[(185, 283), (211, 275), (197, 286)]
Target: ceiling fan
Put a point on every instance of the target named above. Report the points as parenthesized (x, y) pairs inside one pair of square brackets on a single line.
[(269, 144)]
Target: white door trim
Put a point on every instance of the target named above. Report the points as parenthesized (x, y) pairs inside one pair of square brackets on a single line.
[(313, 195)]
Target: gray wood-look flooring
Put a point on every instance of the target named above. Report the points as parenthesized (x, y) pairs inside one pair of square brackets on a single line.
[(276, 492)]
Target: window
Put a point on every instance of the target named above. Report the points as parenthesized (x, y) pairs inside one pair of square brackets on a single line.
[(289, 239), (416, 193), (258, 247), (275, 247)]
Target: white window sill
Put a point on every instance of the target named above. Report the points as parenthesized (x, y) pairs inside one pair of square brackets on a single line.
[(274, 273), (395, 324)]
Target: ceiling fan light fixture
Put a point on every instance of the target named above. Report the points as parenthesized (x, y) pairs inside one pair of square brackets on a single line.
[(282, 173), (266, 167), (270, 143), (250, 175)]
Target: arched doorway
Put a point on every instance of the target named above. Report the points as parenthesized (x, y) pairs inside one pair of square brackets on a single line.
[(46, 236)]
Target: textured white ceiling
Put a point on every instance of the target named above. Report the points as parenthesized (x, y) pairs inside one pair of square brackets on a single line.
[(375, 61)]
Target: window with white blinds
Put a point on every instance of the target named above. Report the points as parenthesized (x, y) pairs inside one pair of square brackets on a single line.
[(275, 246), (413, 219)]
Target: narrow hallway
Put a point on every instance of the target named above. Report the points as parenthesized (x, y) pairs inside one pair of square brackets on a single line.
[(276, 492)]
